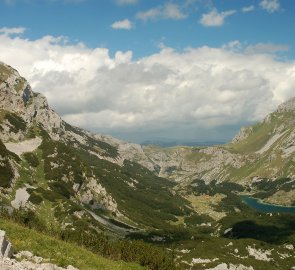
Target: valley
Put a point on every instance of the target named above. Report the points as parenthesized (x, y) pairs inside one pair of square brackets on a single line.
[(144, 207)]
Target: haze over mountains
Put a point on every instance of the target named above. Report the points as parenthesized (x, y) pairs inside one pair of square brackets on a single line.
[(60, 179)]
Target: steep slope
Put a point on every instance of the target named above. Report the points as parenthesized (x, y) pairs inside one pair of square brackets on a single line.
[(64, 181), (45, 156), (48, 249), (272, 142)]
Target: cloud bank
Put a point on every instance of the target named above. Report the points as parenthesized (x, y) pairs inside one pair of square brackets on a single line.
[(170, 92)]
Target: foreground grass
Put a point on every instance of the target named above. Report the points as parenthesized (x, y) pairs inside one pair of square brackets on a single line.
[(59, 252)]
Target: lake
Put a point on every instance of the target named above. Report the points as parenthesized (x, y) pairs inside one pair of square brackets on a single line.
[(265, 207)]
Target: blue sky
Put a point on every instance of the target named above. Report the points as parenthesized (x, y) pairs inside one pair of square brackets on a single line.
[(89, 21), (144, 69)]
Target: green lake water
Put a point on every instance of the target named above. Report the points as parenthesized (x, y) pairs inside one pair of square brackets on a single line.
[(265, 207)]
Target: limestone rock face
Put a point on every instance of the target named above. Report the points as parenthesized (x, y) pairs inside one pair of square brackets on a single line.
[(287, 106), (129, 151), (5, 246), (180, 163), (26, 260), (224, 266), (28, 110), (243, 134), (16, 96), (94, 194)]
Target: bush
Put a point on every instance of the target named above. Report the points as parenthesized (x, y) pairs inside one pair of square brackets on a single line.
[(18, 124), (6, 174), (153, 257), (32, 159)]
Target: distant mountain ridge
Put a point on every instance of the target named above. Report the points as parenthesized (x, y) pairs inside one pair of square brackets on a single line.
[(265, 150), (171, 143), (262, 151), (104, 193)]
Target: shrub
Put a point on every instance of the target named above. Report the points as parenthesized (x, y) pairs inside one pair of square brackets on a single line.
[(32, 159), (18, 124)]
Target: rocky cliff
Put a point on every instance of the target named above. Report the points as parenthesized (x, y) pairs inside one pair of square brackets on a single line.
[(44, 161)]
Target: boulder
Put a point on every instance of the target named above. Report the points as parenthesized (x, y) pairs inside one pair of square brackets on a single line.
[(5, 246)]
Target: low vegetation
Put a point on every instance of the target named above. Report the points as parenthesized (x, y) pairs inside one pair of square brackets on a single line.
[(150, 256), (59, 252), (16, 123), (6, 170)]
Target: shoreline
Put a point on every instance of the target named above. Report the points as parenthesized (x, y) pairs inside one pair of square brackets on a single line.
[(259, 200)]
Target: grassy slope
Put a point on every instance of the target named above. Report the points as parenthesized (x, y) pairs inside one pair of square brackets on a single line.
[(59, 252), (262, 132)]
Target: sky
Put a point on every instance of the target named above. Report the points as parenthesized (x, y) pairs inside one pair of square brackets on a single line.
[(190, 70)]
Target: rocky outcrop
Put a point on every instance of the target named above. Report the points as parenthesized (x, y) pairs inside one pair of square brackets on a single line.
[(128, 151), (16, 96), (21, 198), (181, 163), (243, 134), (224, 266), (25, 260), (96, 196), (259, 254), (5, 246), (287, 106)]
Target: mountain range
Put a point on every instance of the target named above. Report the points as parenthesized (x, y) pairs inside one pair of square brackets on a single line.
[(174, 207)]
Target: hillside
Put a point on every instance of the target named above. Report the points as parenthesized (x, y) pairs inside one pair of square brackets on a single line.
[(62, 180), (259, 156), (162, 208), (56, 251)]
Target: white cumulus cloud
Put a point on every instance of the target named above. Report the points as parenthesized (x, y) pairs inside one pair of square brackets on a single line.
[(215, 18), (167, 11), (270, 5), (124, 24), (248, 8), (187, 93)]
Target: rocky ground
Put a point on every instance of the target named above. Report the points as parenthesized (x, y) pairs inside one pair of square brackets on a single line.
[(29, 262), (24, 260)]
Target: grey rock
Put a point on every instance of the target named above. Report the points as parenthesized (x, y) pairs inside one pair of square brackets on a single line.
[(16, 96), (244, 133), (287, 106), (5, 246)]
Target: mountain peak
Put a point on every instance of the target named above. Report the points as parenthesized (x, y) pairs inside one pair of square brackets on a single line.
[(6, 70), (287, 106), (16, 96), (11, 80)]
